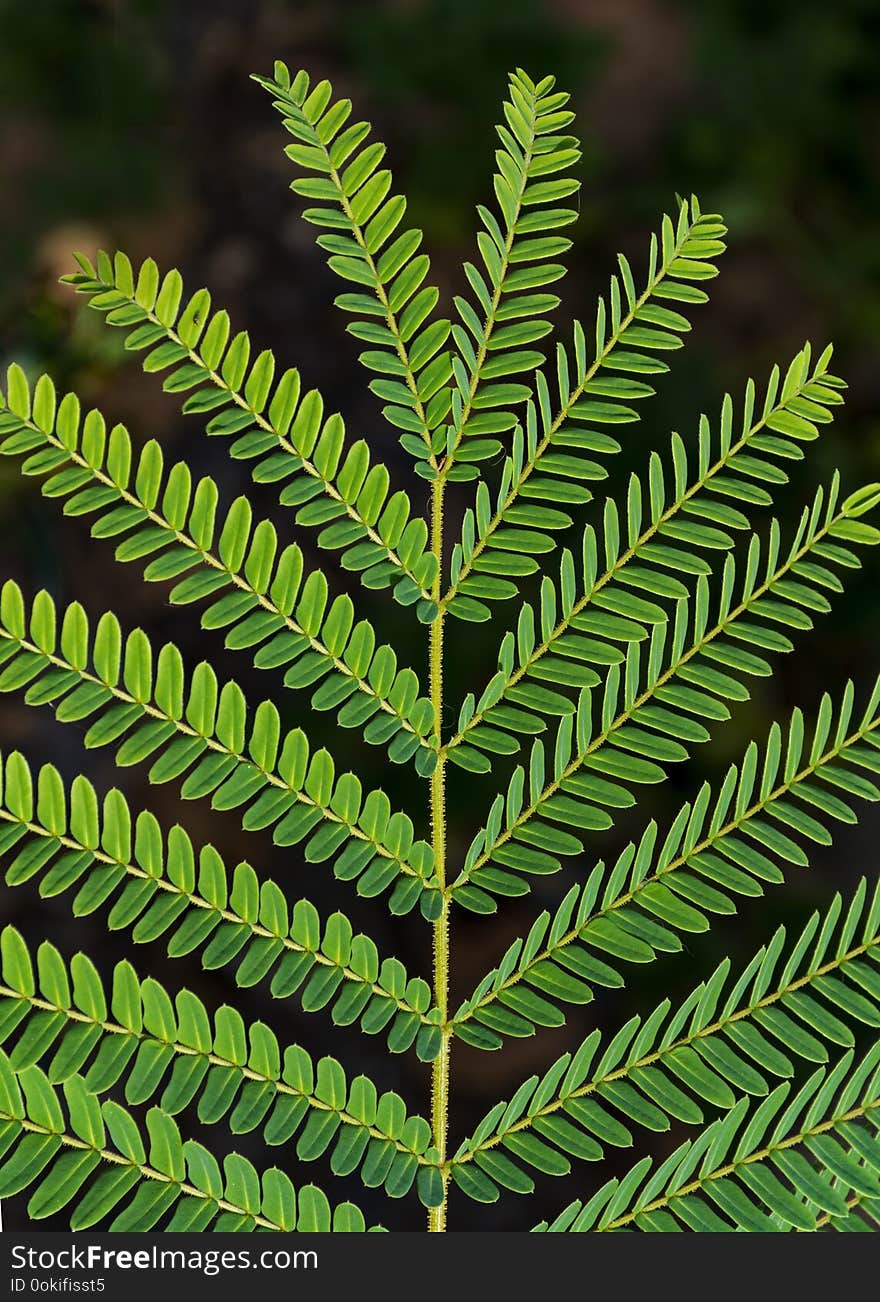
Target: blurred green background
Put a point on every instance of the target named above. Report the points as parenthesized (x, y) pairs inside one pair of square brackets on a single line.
[(132, 123)]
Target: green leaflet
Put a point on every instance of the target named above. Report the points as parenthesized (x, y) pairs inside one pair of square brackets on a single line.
[(268, 600), (156, 884), (718, 847), (655, 704), (360, 222), (861, 1217), (170, 1052), (99, 1155), (273, 423), (673, 1066), (196, 728), (739, 1175), (553, 456)]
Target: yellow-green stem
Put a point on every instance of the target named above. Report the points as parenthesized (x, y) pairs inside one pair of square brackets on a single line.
[(440, 1071)]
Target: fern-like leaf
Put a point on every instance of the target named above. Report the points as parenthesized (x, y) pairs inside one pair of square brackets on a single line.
[(627, 654), (737, 1176), (647, 708), (193, 727), (155, 884), (725, 1037), (575, 630), (273, 603), (491, 342), (274, 422), (554, 455), (167, 1051), (715, 849), (360, 225), (97, 1153)]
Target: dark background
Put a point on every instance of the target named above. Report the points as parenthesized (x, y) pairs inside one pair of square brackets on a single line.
[(133, 124)]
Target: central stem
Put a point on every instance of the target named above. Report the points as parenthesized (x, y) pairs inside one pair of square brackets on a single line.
[(440, 1070)]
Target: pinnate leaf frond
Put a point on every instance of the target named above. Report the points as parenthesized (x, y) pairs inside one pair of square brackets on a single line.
[(553, 456), (675, 525), (268, 601), (656, 705), (509, 288), (97, 1153), (718, 847), (742, 1175), (273, 422), (189, 725), (360, 226), (632, 645), (155, 884), (131, 1032), (787, 1007)]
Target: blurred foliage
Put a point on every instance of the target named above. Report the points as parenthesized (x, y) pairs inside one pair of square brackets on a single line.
[(133, 123), (419, 62)]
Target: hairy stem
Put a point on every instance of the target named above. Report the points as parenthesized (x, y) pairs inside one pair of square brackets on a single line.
[(440, 1070)]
